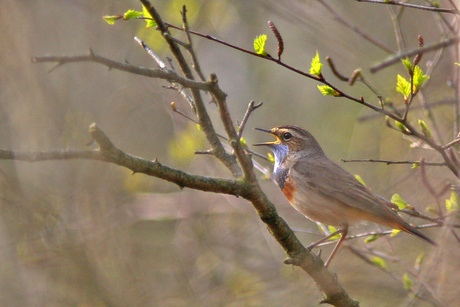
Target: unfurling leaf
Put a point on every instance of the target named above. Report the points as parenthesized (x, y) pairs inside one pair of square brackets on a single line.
[(394, 232), (316, 65), (407, 63), (419, 78), (271, 158), (379, 262), (407, 282), (371, 238), (403, 87), (425, 130), (399, 201), (150, 22), (358, 177), (259, 44), (418, 261), (132, 14), (111, 19), (401, 126), (452, 203), (243, 142), (326, 90), (332, 229)]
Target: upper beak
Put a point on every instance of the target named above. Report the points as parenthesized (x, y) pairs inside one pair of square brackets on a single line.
[(266, 143)]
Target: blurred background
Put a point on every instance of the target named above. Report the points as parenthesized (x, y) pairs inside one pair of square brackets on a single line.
[(86, 233)]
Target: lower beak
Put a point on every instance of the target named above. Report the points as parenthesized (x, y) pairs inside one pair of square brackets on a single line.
[(266, 143)]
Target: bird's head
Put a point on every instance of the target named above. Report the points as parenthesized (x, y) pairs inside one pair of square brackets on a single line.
[(291, 139)]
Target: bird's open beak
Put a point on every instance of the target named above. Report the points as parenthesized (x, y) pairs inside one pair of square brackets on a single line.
[(266, 143)]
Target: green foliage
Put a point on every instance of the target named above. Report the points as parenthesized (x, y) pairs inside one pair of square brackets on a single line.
[(407, 282), (403, 87), (150, 22), (425, 130), (111, 19), (132, 14), (259, 44), (394, 232), (419, 260), (271, 158), (358, 177), (419, 78), (401, 126), (407, 63), (243, 142), (371, 238), (332, 229), (316, 65), (452, 203), (326, 90), (399, 201), (379, 262)]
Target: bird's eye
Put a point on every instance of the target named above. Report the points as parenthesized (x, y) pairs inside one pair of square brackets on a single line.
[(287, 136)]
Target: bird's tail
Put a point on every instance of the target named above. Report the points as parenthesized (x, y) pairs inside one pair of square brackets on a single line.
[(409, 229)]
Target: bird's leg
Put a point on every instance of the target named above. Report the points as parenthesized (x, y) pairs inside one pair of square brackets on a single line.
[(343, 230)]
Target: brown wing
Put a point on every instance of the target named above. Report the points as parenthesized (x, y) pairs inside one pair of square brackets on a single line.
[(330, 179)]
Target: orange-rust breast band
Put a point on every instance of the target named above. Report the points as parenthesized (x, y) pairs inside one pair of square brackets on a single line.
[(289, 189)]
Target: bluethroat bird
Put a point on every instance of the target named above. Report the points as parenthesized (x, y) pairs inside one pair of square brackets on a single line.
[(323, 191)]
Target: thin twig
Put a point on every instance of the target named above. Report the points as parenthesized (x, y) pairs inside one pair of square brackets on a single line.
[(189, 46), (435, 46), (414, 6), (356, 29), (250, 109), (388, 162), (174, 108), (149, 50)]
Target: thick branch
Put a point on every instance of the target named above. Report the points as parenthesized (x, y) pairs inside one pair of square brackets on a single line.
[(251, 191)]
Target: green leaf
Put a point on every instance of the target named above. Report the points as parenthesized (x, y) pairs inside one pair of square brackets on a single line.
[(403, 87), (132, 14), (326, 90), (425, 130), (316, 65), (419, 78), (401, 126), (418, 261), (452, 203), (458, 64), (150, 22), (394, 232), (271, 158), (111, 19), (399, 201), (243, 142), (407, 63), (259, 44), (407, 282), (332, 229), (379, 262), (358, 177), (415, 165), (372, 238)]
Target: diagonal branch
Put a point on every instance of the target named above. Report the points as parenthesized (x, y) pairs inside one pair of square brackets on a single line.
[(251, 191)]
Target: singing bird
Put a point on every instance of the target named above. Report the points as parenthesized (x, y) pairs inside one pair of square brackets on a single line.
[(323, 191)]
